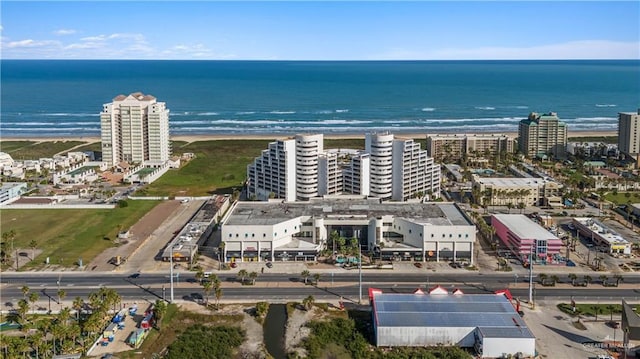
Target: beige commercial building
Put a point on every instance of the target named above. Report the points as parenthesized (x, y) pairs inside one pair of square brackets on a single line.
[(541, 135), (135, 128), (530, 191), (452, 147)]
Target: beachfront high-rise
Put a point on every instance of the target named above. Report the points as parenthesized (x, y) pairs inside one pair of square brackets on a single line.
[(540, 135), (135, 128), (299, 169), (452, 147), (629, 133)]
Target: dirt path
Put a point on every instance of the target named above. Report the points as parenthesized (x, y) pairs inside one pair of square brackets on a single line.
[(139, 232), (296, 330)]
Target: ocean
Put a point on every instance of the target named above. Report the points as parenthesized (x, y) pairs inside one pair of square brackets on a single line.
[(61, 98)]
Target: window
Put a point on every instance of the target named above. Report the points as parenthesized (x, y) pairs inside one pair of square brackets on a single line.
[(264, 235), (236, 235), (443, 235), (253, 235), (431, 235), (230, 235), (246, 235)]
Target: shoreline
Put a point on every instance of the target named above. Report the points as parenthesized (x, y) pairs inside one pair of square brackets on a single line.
[(276, 136)]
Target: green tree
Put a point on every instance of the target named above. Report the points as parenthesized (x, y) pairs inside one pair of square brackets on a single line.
[(61, 294), (242, 273), (253, 276), (207, 286), (261, 309), (603, 279), (542, 277), (588, 279), (33, 298), (316, 278), (159, 310), (573, 278), (307, 302), (218, 294), (618, 279), (23, 309), (305, 275), (25, 291), (200, 275), (77, 305), (33, 245)]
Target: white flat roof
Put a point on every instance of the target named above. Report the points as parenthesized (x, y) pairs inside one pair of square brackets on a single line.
[(524, 227)]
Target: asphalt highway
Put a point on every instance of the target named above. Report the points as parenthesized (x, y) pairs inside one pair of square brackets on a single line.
[(278, 287)]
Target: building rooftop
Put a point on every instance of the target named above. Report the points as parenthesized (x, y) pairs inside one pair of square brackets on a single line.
[(269, 213), (492, 314), (601, 230), (524, 227), (510, 182)]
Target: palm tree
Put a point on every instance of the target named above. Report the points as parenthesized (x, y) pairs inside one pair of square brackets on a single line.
[(23, 309), (588, 279), (573, 278), (61, 295), (242, 273), (218, 293), (33, 245), (305, 275), (542, 277), (253, 276), (316, 278), (25, 291), (618, 279), (7, 237), (33, 298), (597, 310), (611, 308), (307, 302), (78, 304), (199, 275), (604, 278), (159, 310), (207, 287), (555, 279)]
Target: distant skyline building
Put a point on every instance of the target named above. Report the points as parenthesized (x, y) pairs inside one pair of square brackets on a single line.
[(299, 168), (135, 129), (540, 135), (629, 132)]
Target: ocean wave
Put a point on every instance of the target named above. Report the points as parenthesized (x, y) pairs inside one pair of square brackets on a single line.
[(606, 105), (208, 114), (485, 108), (60, 114), (427, 109), (54, 129), (282, 112), (245, 113), (342, 111), (590, 119), (323, 112)]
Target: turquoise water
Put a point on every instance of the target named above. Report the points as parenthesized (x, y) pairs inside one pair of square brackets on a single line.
[(60, 97)]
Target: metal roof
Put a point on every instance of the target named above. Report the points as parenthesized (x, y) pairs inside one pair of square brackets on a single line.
[(492, 314)]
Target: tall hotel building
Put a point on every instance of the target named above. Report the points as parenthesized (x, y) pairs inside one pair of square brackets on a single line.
[(629, 132), (299, 169), (135, 128), (539, 135)]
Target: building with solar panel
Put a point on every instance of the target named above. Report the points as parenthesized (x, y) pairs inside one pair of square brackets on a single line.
[(488, 323)]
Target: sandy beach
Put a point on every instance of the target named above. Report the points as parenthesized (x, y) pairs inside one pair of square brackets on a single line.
[(210, 137)]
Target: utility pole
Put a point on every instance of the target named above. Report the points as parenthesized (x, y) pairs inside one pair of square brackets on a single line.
[(171, 270), (531, 274)]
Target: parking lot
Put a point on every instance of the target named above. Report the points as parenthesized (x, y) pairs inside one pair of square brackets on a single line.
[(119, 343), (558, 337)]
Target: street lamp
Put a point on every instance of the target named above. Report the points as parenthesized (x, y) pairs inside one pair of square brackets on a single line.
[(531, 274), (360, 273)]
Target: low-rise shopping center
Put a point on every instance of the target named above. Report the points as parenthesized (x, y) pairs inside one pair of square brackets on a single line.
[(293, 231)]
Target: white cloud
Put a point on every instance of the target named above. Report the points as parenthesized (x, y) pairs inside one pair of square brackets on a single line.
[(28, 43), (63, 32), (586, 49)]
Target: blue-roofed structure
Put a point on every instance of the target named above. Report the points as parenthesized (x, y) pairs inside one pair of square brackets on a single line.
[(487, 322)]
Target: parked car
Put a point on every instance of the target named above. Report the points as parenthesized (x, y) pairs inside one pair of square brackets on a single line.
[(417, 264), (269, 264), (233, 264)]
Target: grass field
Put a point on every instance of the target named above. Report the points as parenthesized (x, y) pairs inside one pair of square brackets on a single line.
[(623, 197), (28, 150), (65, 235)]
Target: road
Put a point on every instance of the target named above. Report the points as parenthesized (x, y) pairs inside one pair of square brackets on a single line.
[(276, 287)]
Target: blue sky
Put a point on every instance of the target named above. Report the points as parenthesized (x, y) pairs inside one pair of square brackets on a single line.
[(335, 30)]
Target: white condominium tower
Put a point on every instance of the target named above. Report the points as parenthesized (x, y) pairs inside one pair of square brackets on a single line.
[(629, 132), (135, 128), (299, 169)]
